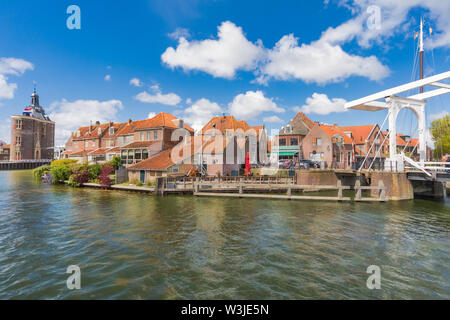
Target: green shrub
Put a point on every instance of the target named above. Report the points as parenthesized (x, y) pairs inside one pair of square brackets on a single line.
[(94, 170), (39, 171), (139, 184), (115, 162), (60, 173), (72, 182), (63, 162)]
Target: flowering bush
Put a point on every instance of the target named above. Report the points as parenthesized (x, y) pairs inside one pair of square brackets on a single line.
[(81, 176), (104, 178)]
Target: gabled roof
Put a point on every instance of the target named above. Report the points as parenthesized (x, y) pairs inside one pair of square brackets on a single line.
[(92, 132), (162, 119), (301, 116), (300, 125), (331, 131), (359, 133), (117, 127), (224, 123)]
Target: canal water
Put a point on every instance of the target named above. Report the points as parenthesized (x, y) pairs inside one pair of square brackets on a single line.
[(137, 246)]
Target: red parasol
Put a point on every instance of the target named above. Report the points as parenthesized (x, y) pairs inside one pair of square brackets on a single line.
[(247, 164)]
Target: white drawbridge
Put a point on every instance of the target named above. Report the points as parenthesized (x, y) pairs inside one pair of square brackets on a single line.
[(394, 104)]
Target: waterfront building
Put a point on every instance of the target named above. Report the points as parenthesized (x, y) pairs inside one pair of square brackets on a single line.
[(234, 134), (369, 143), (4, 151), (330, 144), (290, 137), (90, 143), (142, 139), (160, 165), (32, 133), (133, 141)]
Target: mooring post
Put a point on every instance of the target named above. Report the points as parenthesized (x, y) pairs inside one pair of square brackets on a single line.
[(358, 190), (382, 190), (339, 186)]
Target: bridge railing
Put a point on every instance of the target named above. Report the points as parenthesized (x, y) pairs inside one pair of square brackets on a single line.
[(27, 161)]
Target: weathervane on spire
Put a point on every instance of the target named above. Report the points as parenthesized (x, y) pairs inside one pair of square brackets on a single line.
[(34, 86)]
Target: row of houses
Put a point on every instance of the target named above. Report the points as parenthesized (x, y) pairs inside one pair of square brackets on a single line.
[(4, 151), (339, 147), (148, 149)]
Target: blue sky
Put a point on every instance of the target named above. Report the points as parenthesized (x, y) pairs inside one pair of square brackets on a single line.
[(269, 60)]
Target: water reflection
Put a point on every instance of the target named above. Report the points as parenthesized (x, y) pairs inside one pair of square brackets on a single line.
[(137, 246)]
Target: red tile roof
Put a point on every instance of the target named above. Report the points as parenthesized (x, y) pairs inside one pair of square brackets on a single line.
[(114, 149), (79, 153), (158, 162), (224, 123), (162, 119), (117, 127), (333, 130), (359, 133), (139, 144), (99, 151)]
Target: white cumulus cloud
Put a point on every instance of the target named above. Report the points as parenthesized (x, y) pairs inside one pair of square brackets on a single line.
[(439, 115), (200, 112), (318, 62), (251, 104), (108, 77), (69, 115), (220, 57), (170, 99), (135, 82), (319, 103), (273, 119), (15, 67)]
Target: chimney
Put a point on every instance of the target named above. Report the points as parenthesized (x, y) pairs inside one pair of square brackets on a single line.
[(335, 124), (129, 121), (179, 123)]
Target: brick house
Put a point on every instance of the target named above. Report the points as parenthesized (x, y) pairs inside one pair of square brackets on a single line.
[(291, 136), (161, 165), (133, 141), (368, 141), (142, 139), (225, 142), (32, 133), (90, 143), (4, 151), (329, 144)]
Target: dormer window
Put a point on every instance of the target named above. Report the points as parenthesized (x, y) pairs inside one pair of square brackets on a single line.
[(99, 130), (111, 130), (78, 133), (288, 129)]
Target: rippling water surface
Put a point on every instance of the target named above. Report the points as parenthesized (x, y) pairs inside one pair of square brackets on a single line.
[(136, 246)]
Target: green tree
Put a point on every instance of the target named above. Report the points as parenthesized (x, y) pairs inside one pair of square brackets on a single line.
[(115, 162), (440, 131)]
